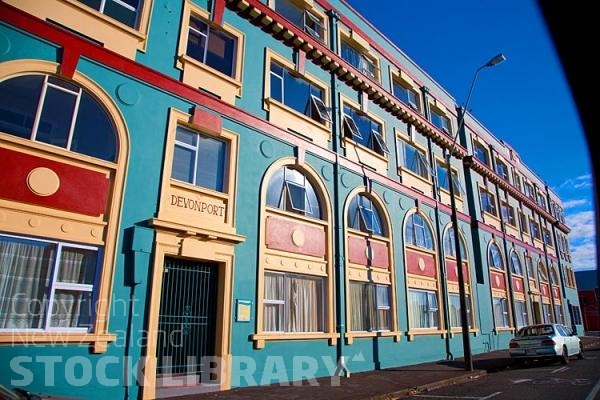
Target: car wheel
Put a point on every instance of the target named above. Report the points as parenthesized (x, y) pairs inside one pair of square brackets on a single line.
[(564, 359), (580, 356)]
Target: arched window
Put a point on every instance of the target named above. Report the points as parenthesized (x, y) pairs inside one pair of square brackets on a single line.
[(290, 190), (417, 232), (542, 273), (553, 275), (495, 257), (450, 246), (364, 216), (51, 110), (515, 263)]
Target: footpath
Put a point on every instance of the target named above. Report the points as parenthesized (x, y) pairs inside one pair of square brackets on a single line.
[(385, 384)]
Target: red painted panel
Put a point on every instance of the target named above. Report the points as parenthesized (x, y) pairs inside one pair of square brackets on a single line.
[(300, 62), (452, 272), (380, 255), (218, 11), (420, 264), (544, 289), (207, 121), (518, 285), (68, 62), (80, 191), (357, 250), (497, 280), (310, 240), (556, 292)]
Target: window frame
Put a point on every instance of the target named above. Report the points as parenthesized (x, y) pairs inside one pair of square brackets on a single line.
[(432, 310), (481, 153), (508, 213), (406, 90), (442, 166), (441, 116), (488, 206), (370, 143)]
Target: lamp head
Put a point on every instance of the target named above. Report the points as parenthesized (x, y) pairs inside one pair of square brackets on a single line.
[(496, 60)]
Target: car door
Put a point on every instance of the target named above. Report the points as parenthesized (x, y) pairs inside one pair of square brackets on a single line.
[(570, 340)]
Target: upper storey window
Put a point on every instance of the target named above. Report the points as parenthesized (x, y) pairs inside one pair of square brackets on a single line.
[(53, 111), (501, 169), (308, 20), (125, 11), (290, 190), (407, 94), (298, 94), (441, 120), (212, 46), (495, 257), (200, 160), (360, 60), (364, 130), (481, 153)]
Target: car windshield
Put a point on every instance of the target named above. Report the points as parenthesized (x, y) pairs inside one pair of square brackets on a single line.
[(538, 330)]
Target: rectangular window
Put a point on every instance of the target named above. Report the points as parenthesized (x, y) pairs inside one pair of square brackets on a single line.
[(577, 315), (521, 314), (541, 201), (442, 178), (359, 61), (548, 237), (369, 307), (508, 213), (523, 223), (535, 229), (488, 202), (50, 284), (501, 312), (212, 46), (413, 159), (529, 267), (306, 20), (546, 313), (440, 120), (481, 153), (407, 95), (125, 11), (200, 160), (502, 169), (516, 180), (454, 304), (363, 130), (558, 314), (528, 189), (298, 94), (423, 309), (293, 303)]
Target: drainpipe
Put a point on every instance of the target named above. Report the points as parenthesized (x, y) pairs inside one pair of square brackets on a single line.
[(441, 258), (338, 234)]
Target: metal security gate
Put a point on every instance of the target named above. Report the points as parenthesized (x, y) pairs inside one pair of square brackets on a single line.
[(186, 323)]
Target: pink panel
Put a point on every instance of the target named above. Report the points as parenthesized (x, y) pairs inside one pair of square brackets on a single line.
[(357, 250), (420, 264), (518, 285), (295, 237), (380, 255), (497, 280)]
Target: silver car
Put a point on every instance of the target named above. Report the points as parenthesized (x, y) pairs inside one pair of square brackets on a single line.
[(545, 341)]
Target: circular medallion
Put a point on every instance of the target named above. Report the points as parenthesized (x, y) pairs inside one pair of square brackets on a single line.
[(266, 148), (497, 280), (4, 44), (326, 172), (43, 181), (421, 264), (128, 94), (298, 237)]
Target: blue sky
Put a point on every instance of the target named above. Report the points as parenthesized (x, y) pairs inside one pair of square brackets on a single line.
[(525, 101)]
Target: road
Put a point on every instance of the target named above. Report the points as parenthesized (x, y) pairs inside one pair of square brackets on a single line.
[(578, 380)]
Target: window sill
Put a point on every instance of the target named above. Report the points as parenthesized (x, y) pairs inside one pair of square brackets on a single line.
[(75, 15), (287, 118), (425, 332), (360, 154), (411, 179), (507, 329), (98, 342), (199, 75), (458, 331), (350, 336), (260, 338)]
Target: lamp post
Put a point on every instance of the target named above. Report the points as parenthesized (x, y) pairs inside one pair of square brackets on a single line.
[(454, 218)]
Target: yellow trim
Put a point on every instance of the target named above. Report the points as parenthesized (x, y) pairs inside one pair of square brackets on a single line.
[(309, 5), (362, 46), (357, 152), (200, 75), (350, 336), (261, 337), (411, 334), (408, 177), (403, 79), (74, 14), (288, 118), (171, 244), (445, 193), (103, 230), (181, 203)]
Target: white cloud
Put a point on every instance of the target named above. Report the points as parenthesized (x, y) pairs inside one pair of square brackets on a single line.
[(574, 203), (584, 256), (580, 182), (582, 225)]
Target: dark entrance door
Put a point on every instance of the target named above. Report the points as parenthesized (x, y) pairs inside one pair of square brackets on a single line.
[(187, 317)]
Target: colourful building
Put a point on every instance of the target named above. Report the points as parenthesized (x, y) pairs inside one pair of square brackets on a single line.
[(243, 192)]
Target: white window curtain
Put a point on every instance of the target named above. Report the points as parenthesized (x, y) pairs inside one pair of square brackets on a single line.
[(292, 303), (501, 312), (454, 310), (423, 309), (369, 307), (547, 313), (521, 314), (37, 292)]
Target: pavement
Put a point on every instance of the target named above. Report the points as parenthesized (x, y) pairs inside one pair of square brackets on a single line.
[(385, 384)]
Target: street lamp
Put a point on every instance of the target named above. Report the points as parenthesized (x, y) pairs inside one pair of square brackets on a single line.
[(454, 218)]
